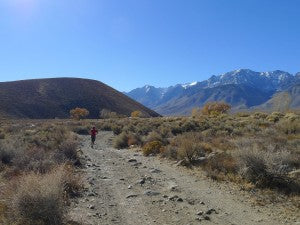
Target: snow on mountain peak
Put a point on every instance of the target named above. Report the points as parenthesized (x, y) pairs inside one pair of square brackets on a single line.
[(185, 86)]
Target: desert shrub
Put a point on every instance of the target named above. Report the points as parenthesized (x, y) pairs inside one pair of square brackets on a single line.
[(289, 126), (116, 129), (2, 135), (6, 154), (73, 183), (242, 114), (275, 117), (133, 139), (81, 130), (170, 151), (121, 141), (220, 164), (152, 147), (196, 112), (107, 114), (155, 136), (189, 146), (79, 113), (268, 168), (259, 115), (69, 150), (215, 108), (35, 199), (33, 159)]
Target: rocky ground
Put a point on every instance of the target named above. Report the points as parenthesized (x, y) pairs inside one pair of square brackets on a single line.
[(124, 187)]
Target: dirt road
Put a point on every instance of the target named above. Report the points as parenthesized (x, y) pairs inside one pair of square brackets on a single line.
[(125, 187)]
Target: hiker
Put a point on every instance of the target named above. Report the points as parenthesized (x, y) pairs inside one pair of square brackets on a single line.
[(93, 133)]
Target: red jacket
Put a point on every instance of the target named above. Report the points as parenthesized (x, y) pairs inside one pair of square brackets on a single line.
[(94, 132)]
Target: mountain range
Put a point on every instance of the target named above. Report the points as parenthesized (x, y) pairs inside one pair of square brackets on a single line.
[(54, 98), (244, 89)]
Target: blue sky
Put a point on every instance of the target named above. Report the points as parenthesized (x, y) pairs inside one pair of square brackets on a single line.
[(130, 43)]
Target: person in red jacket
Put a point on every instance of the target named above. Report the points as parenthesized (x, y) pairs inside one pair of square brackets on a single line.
[(93, 133)]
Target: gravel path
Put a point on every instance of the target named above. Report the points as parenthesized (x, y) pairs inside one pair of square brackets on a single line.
[(125, 187)]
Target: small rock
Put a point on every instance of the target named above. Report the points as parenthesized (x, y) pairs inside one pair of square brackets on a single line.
[(206, 217), (202, 203), (179, 200), (132, 160), (200, 213), (173, 198), (155, 171), (210, 211), (129, 187), (151, 193), (141, 181), (165, 196), (131, 196), (91, 207)]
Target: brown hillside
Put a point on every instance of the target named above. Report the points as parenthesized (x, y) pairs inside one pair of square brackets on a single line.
[(50, 98)]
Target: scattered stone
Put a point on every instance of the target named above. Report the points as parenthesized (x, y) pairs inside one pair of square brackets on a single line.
[(165, 196), (179, 200), (173, 198), (174, 187), (131, 196), (129, 187), (132, 160), (155, 171), (91, 194), (91, 207), (151, 193), (206, 217), (141, 181), (210, 211), (200, 213), (202, 203), (104, 178)]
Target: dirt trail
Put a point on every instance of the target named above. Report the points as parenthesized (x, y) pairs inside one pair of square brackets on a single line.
[(128, 188)]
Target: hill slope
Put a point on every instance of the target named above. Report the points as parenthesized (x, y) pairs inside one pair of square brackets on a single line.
[(50, 98)]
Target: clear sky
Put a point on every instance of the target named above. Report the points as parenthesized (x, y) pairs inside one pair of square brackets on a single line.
[(130, 43)]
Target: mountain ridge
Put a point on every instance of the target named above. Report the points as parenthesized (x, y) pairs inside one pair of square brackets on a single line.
[(264, 84)]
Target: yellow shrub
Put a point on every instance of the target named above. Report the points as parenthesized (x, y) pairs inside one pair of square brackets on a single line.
[(152, 147)]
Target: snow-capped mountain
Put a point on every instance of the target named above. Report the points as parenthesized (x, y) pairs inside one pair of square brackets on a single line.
[(275, 80), (241, 88)]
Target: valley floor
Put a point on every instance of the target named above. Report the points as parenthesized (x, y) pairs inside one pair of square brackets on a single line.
[(124, 187)]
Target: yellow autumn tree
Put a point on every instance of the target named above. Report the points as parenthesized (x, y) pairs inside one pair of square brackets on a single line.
[(215, 108), (79, 113), (136, 114)]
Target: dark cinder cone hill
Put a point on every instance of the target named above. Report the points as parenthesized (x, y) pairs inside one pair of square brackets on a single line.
[(55, 97)]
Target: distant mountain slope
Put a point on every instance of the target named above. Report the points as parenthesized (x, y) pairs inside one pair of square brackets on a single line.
[(239, 96), (50, 98), (288, 99), (242, 88)]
